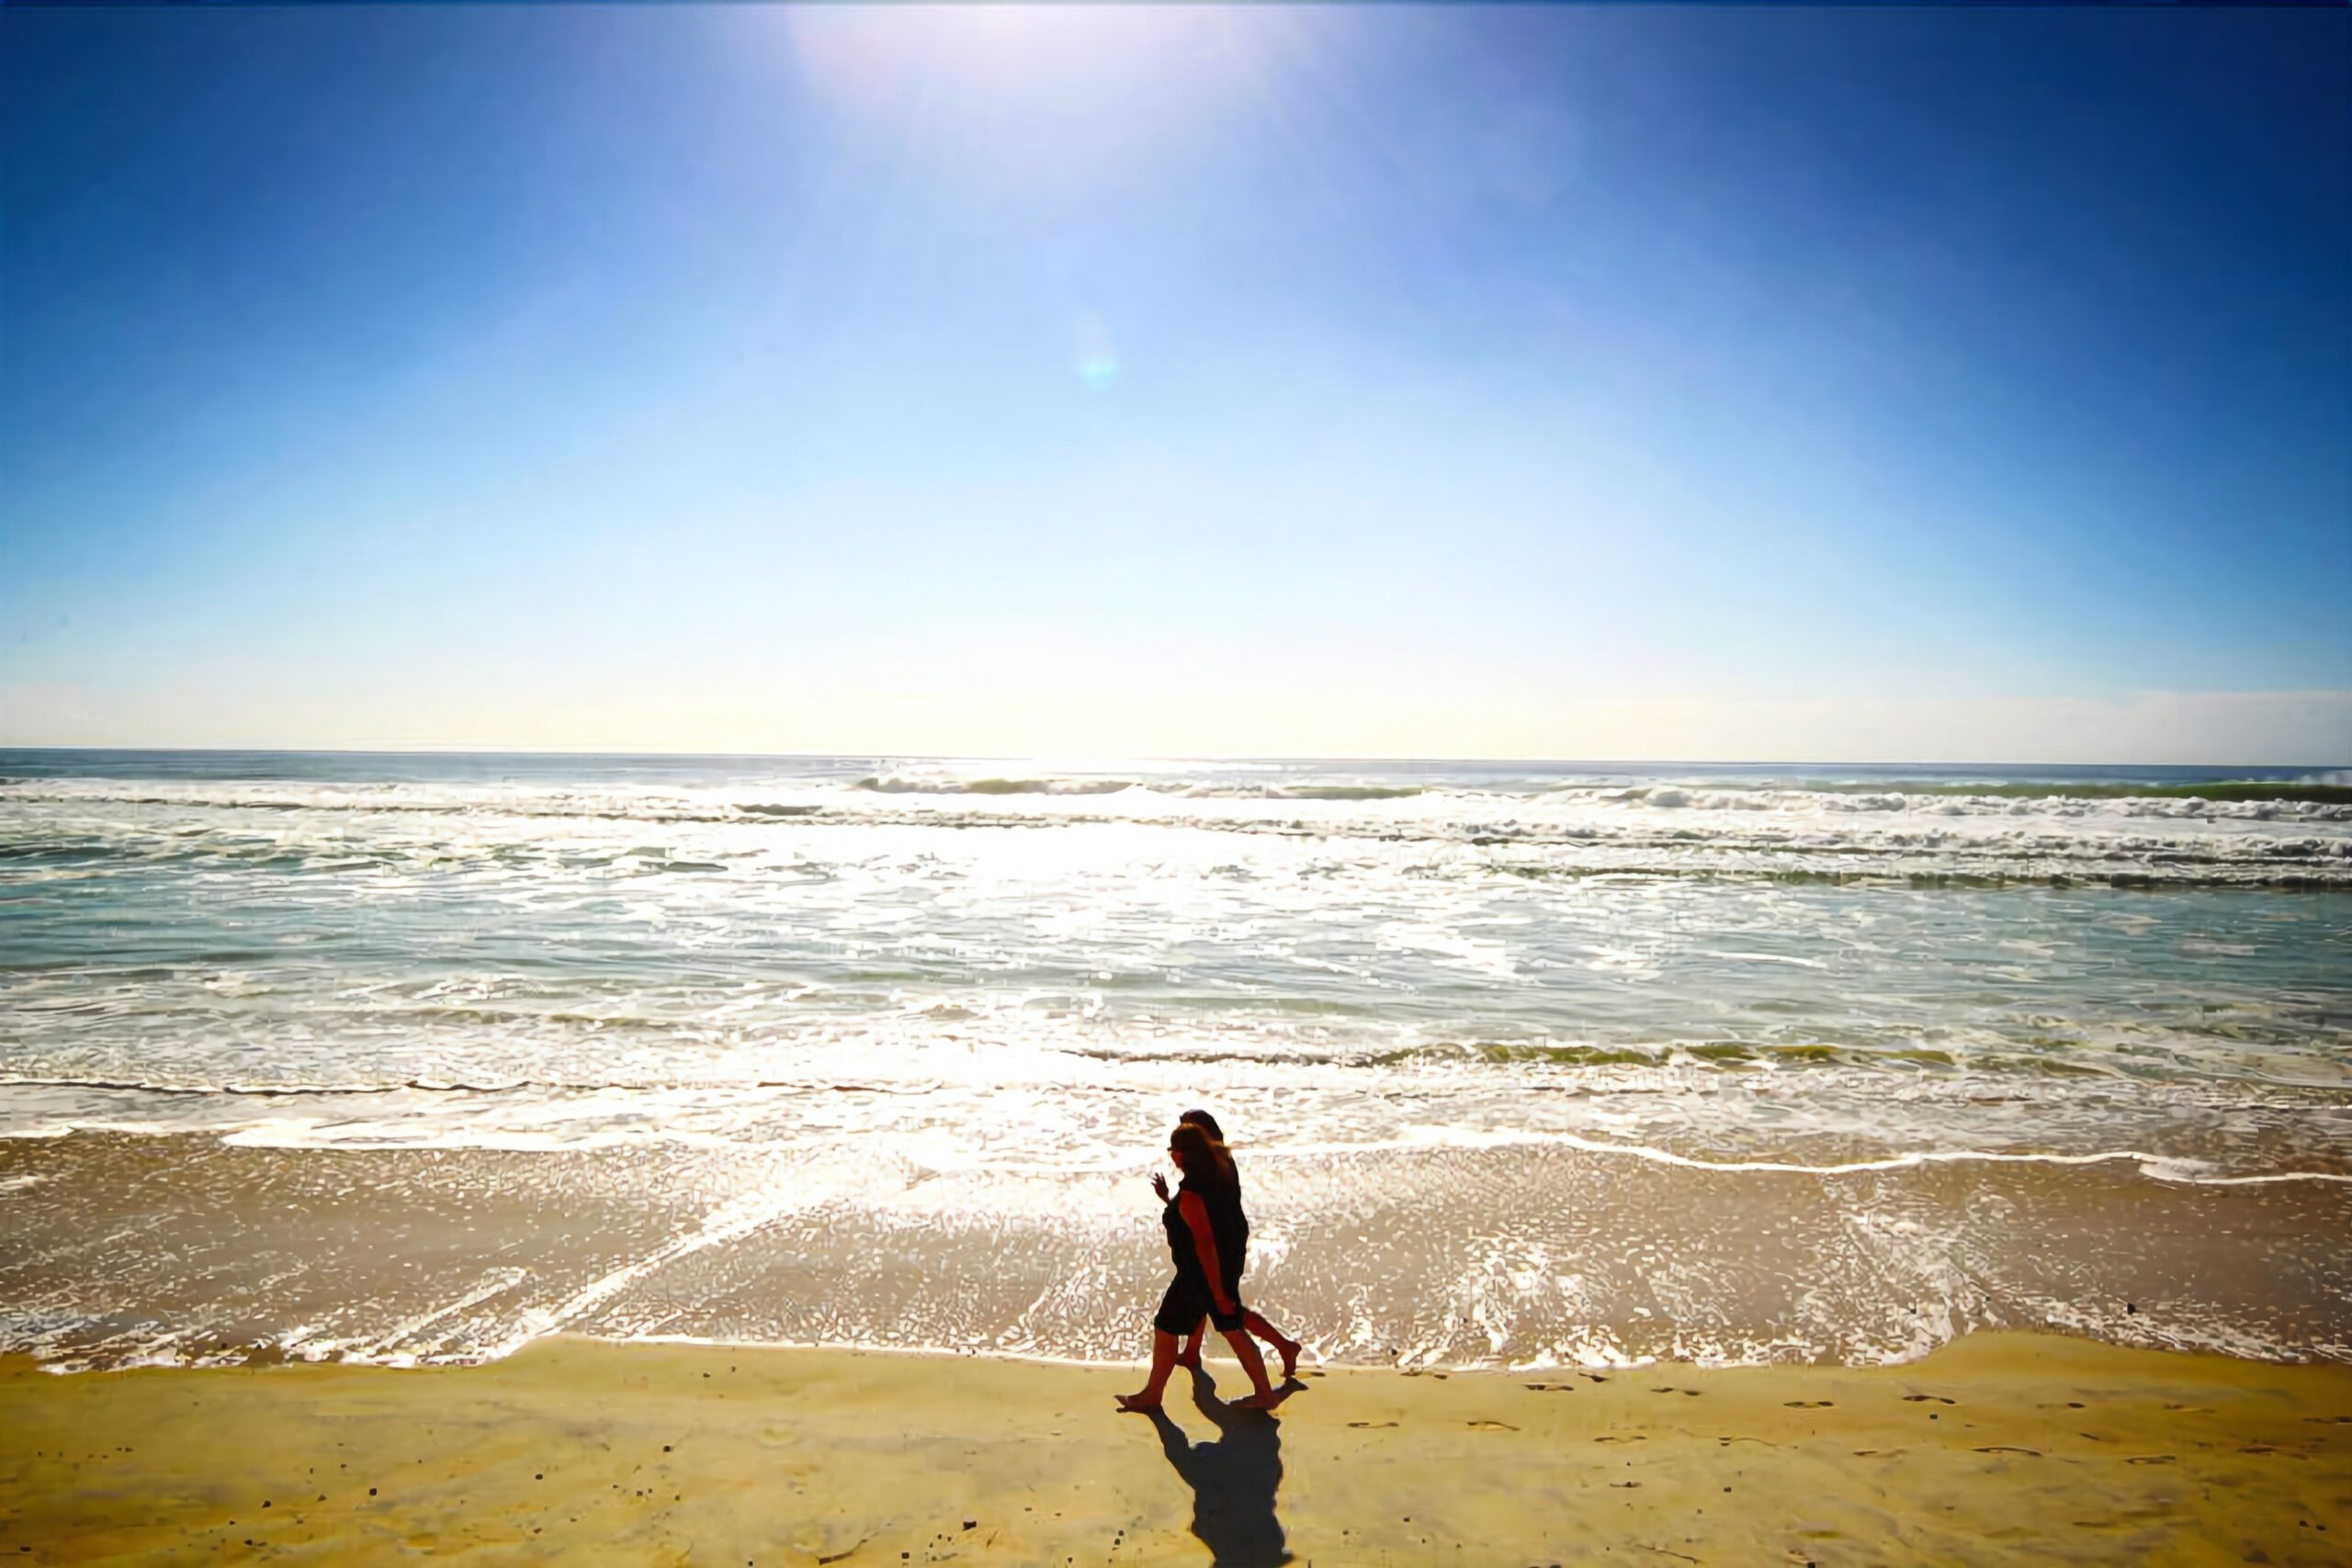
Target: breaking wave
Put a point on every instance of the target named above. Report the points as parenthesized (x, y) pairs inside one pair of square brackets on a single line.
[(1654, 830)]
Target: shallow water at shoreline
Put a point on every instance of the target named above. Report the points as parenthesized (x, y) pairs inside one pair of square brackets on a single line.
[(124, 1249), (1734, 1063)]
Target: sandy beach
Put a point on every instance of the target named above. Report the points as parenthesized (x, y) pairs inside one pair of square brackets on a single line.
[(2002, 1447)]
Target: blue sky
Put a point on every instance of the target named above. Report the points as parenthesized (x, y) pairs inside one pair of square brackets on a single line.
[(1809, 384)]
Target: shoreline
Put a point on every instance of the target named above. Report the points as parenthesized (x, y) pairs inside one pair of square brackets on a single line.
[(2000, 1446), (272, 1358), (1458, 1256)]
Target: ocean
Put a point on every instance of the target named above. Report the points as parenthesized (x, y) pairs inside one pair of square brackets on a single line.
[(410, 1059)]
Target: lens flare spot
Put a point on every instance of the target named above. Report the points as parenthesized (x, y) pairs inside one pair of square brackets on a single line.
[(1094, 356)]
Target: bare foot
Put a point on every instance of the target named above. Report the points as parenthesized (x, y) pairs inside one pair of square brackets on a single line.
[(1265, 1401), (1289, 1349), (1136, 1403)]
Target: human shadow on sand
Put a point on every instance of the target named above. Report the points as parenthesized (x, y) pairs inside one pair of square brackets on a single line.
[(1233, 1479)]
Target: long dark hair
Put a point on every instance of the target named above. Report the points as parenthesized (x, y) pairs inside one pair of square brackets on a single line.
[(1205, 1122), (1203, 1159)]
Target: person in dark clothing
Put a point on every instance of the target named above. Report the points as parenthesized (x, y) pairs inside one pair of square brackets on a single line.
[(1190, 1354), (1203, 1286)]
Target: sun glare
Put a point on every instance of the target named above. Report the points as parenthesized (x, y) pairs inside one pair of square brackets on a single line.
[(1020, 61)]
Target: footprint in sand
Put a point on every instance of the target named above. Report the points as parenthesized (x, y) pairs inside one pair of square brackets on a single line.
[(1491, 1425), (1636, 1438), (2151, 1459), (1923, 1398), (2009, 1448), (1809, 1404), (1551, 1387), (1362, 1424)]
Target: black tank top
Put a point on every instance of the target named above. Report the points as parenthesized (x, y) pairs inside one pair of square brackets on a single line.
[(1228, 1226)]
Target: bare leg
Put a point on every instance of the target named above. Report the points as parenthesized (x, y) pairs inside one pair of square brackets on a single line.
[(1245, 1350), (1190, 1356), (1163, 1361), (1271, 1336)]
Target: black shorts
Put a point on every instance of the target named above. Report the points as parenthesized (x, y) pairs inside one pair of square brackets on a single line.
[(1186, 1303)]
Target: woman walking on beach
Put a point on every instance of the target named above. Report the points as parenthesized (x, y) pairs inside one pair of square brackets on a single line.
[(1288, 1347), (1204, 1223)]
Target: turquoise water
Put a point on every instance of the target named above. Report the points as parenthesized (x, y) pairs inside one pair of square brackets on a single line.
[(925, 972)]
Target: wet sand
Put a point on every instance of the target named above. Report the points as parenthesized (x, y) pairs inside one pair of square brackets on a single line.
[(2000, 1448), (117, 1248)]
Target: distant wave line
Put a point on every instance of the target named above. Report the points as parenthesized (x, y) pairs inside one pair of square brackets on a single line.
[(2306, 861), (899, 785), (261, 794)]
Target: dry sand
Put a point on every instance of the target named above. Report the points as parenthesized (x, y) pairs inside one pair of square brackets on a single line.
[(1999, 1449)]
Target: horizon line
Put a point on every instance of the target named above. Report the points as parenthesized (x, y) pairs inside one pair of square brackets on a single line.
[(1135, 757)]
